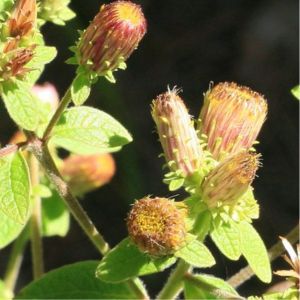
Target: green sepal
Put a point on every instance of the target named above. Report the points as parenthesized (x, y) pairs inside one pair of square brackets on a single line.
[(195, 253), (255, 252), (76, 281), (15, 201), (80, 88), (226, 236), (126, 261)]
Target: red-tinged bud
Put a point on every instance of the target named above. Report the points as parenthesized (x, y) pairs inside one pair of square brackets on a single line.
[(23, 18), (231, 118), (226, 183), (176, 132), (47, 94), (112, 36), (157, 225), (15, 62), (85, 173)]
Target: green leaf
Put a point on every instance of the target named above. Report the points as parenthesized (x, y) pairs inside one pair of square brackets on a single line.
[(296, 91), (208, 287), (14, 188), (227, 238), (42, 55), (255, 252), (196, 254), (126, 261), (86, 130), (55, 216), (290, 294), (80, 89), (5, 7), (75, 281), (21, 105)]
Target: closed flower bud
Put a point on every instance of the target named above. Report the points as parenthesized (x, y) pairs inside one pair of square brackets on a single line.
[(112, 36), (47, 94), (231, 118), (176, 132), (21, 23), (226, 183), (157, 225), (85, 173)]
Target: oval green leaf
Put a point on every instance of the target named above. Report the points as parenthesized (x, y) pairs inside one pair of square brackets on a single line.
[(75, 281), (21, 105), (86, 130), (14, 188), (196, 254), (208, 287), (227, 238), (255, 252), (126, 261)]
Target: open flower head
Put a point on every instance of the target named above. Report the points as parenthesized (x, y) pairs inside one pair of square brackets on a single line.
[(226, 183), (176, 132), (112, 36), (85, 173), (231, 118), (157, 225)]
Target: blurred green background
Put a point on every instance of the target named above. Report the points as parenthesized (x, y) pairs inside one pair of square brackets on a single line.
[(188, 44)]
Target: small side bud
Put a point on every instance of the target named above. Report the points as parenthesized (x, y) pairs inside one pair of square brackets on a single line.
[(85, 173), (231, 118), (14, 62), (47, 94), (226, 183), (157, 226), (176, 132), (112, 36)]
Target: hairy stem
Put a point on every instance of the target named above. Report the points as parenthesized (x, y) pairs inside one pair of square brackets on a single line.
[(275, 251), (36, 223), (14, 261), (174, 284), (44, 157), (62, 106), (41, 152), (218, 293)]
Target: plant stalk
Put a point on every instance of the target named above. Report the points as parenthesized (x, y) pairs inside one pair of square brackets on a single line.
[(15, 261), (61, 107), (36, 222)]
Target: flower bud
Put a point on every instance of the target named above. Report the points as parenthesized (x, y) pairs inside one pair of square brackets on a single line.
[(47, 94), (176, 132), (13, 63), (226, 183), (231, 118), (157, 225), (85, 173), (112, 36)]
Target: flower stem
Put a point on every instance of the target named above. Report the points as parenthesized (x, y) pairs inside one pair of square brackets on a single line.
[(175, 282), (275, 251), (62, 106), (14, 262), (36, 223)]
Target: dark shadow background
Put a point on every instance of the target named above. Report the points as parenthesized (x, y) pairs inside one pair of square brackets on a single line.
[(188, 44)]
